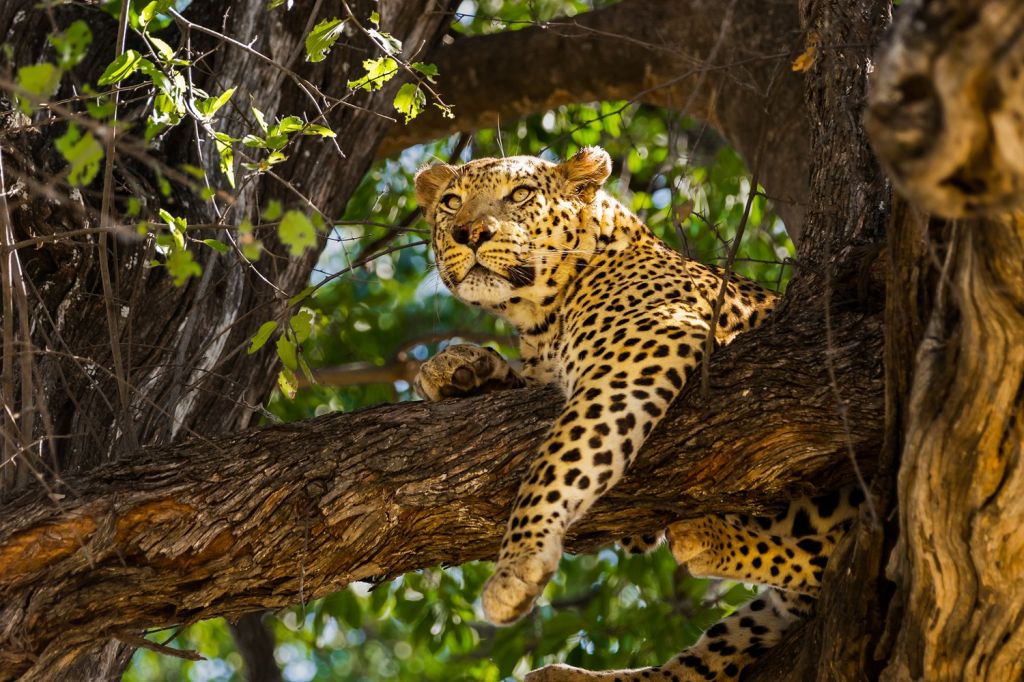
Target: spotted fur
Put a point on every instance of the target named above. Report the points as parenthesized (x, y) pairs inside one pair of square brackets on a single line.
[(619, 321)]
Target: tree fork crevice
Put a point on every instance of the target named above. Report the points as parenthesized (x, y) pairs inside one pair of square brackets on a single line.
[(226, 526)]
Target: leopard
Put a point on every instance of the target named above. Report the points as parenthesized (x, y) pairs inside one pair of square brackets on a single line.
[(619, 321)]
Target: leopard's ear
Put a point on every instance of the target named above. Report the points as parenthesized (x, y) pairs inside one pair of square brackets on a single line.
[(430, 182), (586, 171)]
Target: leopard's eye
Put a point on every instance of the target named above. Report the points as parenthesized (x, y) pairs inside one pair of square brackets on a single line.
[(451, 201), (520, 194)]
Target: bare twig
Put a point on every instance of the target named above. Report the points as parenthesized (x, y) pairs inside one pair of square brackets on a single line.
[(705, 372), (143, 643), (109, 290)]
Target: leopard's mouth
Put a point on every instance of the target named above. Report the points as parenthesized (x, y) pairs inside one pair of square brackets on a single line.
[(517, 275)]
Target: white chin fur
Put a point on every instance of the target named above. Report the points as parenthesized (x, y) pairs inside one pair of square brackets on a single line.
[(484, 288)]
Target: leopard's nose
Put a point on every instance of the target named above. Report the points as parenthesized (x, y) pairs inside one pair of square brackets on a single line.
[(472, 235)]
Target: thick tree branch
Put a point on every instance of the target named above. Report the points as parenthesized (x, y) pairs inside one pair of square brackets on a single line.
[(724, 62), (274, 516)]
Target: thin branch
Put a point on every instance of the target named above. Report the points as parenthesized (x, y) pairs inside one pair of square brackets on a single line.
[(109, 290), (705, 368), (143, 643)]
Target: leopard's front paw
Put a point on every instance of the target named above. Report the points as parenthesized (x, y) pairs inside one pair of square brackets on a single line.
[(509, 594), (463, 370), (691, 542)]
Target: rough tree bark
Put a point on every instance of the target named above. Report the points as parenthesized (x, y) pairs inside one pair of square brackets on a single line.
[(273, 516)]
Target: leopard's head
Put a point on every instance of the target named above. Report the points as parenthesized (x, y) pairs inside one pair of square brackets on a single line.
[(512, 229)]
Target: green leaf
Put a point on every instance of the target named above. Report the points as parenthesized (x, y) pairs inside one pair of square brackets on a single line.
[(273, 210), (218, 246), (209, 106), (165, 50), (82, 152), (181, 265), (253, 141), (151, 10), (378, 72), (322, 38), (410, 101), (287, 383), (261, 120), (100, 108), (40, 80), (121, 68), (302, 295), (288, 124), (222, 141), (71, 44), (428, 70), (302, 324), (261, 336), (288, 352), (322, 131), (252, 250), (296, 231)]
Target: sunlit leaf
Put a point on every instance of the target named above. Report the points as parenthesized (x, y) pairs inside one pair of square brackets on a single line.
[(209, 106), (39, 80), (72, 43), (121, 68), (322, 38), (428, 70), (287, 350), (287, 383), (165, 50), (154, 8), (273, 210), (390, 44), (410, 101), (378, 72), (227, 156), (216, 245), (302, 324)]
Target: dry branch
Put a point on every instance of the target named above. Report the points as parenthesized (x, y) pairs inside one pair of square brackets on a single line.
[(228, 525)]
